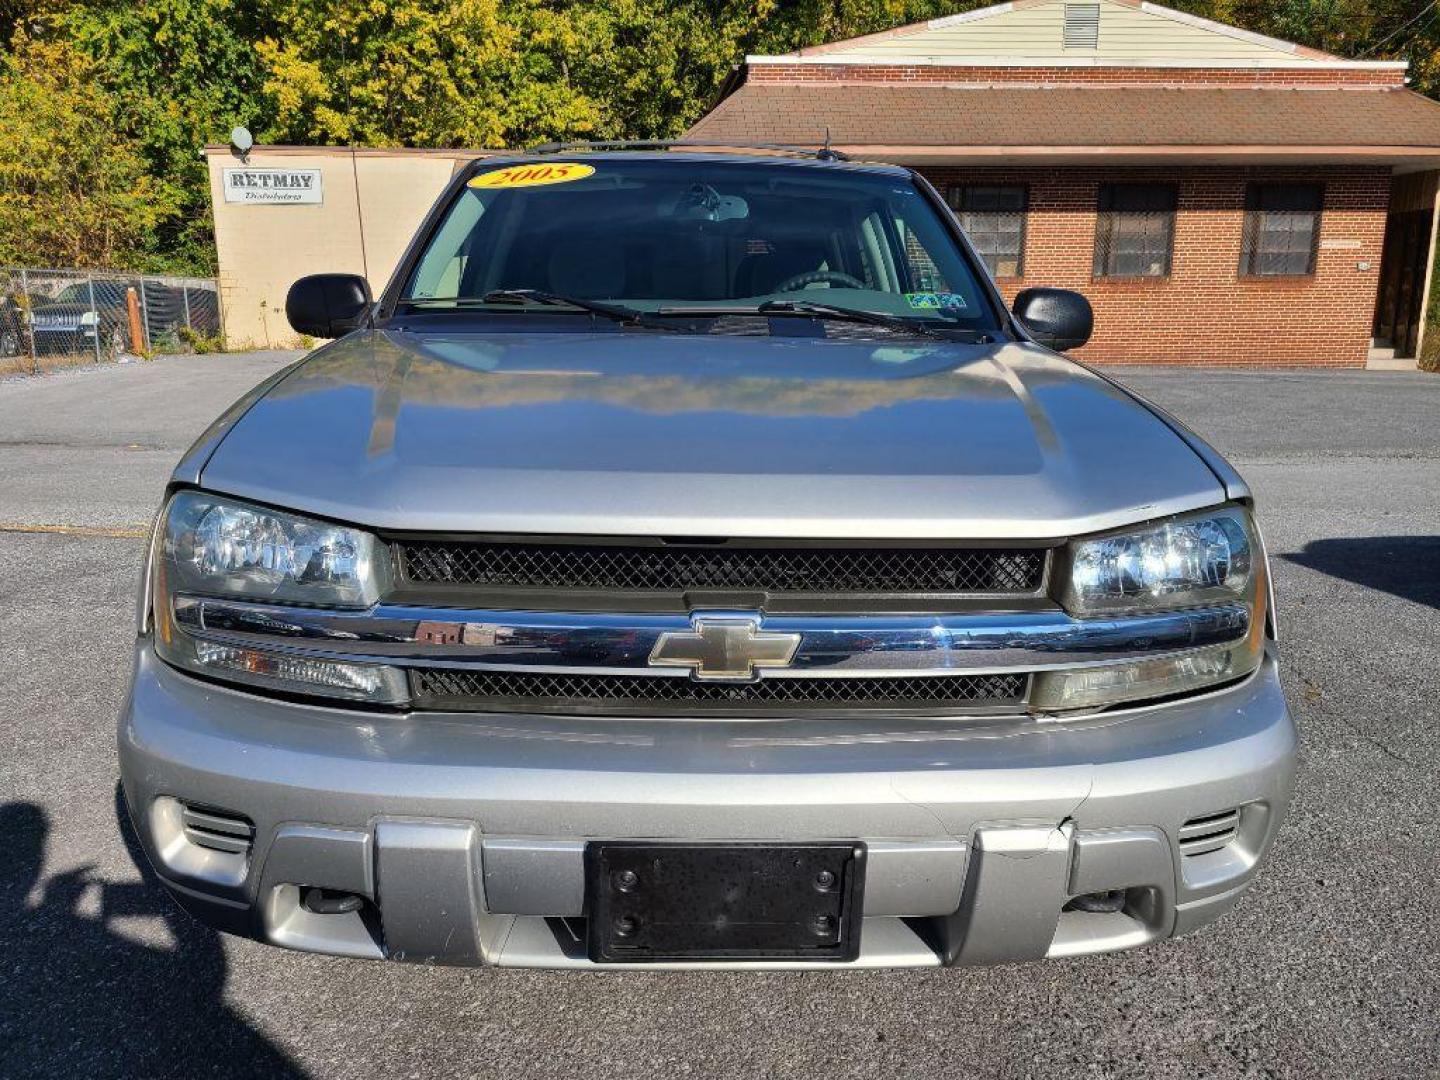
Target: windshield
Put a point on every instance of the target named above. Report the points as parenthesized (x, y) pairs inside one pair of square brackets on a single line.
[(678, 235)]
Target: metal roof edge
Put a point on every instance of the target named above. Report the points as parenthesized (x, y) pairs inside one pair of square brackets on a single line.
[(873, 60)]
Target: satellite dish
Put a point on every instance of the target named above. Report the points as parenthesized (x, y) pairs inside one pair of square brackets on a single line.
[(241, 140)]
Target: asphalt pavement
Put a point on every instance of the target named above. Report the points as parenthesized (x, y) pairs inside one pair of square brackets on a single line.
[(1329, 967)]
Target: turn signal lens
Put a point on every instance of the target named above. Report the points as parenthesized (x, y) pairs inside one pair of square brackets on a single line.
[(1115, 684), (303, 674)]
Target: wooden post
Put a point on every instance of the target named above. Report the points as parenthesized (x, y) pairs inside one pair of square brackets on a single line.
[(137, 336)]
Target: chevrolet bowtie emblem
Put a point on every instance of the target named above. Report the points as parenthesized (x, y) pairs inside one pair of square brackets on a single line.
[(716, 648)]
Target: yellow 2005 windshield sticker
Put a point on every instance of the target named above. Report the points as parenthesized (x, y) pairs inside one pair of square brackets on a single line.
[(532, 175)]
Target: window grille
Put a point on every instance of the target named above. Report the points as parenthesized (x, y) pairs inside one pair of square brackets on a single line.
[(993, 217), (1135, 230), (1282, 229)]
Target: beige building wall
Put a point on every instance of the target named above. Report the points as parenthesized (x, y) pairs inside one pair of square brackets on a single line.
[(263, 248)]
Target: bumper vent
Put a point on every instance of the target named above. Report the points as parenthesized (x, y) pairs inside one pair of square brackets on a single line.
[(1200, 836), (217, 830), (451, 688), (733, 567)]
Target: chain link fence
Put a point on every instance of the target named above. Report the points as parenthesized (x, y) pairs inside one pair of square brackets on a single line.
[(54, 318)]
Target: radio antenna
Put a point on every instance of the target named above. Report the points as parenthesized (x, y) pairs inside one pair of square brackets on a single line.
[(825, 153), (354, 164)]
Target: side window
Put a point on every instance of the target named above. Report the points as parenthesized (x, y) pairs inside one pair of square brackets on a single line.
[(443, 267), (1135, 230), (1282, 229), (925, 276), (993, 217)]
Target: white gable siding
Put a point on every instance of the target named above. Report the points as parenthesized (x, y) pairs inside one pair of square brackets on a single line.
[(1035, 31)]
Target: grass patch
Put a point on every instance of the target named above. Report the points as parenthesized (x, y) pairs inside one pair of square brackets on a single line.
[(41, 365), (1429, 359)]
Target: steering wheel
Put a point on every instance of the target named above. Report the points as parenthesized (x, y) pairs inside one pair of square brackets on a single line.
[(812, 277)]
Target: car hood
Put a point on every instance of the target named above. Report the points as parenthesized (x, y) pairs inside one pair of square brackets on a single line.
[(643, 433)]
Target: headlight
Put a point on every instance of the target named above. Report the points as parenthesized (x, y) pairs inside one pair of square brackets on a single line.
[(218, 547), (211, 546), (1198, 560), (1201, 559)]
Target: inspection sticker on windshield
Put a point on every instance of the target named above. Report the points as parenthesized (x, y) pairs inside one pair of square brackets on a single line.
[(934, 301), (532, 175)]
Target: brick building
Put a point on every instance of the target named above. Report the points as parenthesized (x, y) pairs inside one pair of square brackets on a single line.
[(1221, 197)]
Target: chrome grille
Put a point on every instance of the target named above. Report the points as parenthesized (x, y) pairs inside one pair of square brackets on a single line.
[(456, 688), (677, 568)]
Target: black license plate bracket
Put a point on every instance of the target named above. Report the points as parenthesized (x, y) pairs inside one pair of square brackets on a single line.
[(655, 902)]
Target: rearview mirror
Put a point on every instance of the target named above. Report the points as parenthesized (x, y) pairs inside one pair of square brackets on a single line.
[(328, 305), (1056, 318)]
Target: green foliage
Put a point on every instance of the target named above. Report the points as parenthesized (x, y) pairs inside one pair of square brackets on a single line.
[(199, 342), (73, 190), (141, 86), (388, 74), (183, 72)]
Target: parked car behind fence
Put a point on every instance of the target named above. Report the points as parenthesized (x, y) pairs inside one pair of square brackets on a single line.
[(84, 314)]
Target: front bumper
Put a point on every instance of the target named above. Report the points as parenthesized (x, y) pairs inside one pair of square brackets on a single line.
[(466, 833)]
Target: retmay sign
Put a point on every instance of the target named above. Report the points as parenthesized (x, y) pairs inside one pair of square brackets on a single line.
[(273, 186)]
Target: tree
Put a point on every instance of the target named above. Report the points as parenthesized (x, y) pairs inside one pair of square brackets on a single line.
[(73, 190), (169, 76), (183, 73), (491, 73), (408, 73)]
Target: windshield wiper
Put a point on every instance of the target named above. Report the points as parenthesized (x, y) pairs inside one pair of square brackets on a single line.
[(859, 315), (626, 316), (817, 310)]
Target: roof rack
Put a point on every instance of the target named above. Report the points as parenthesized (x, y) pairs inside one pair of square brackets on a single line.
[(820, 153)]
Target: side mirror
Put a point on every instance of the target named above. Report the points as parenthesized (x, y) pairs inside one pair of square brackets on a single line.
[(328, 305), (1056, 318)]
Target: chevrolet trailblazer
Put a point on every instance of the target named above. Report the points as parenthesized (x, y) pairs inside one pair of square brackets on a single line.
[(690, 560)]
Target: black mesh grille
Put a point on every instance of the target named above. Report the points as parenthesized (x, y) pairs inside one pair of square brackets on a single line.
[(824, 570), (462, 689)]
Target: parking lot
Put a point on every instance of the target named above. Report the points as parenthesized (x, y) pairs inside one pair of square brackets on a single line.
[(1329, 967)]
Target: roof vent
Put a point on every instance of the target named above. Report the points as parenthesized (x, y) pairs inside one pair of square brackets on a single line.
[(1082, 26)]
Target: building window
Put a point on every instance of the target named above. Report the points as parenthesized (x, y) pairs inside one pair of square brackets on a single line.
[(1282, 229), (1135, 232), (994, 219)]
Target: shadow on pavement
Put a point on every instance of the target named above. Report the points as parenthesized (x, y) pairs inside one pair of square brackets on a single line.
[(1405, 566), (82, 998)]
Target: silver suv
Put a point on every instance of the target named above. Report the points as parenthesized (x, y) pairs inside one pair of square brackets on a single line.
[(689, 560)]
